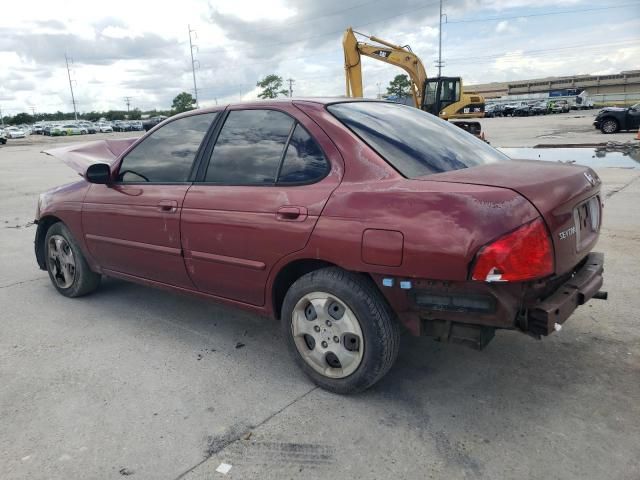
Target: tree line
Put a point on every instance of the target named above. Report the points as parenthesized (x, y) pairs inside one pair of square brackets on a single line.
[(271, 87)]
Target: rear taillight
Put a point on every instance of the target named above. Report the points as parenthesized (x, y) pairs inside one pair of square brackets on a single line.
[(524, 254)]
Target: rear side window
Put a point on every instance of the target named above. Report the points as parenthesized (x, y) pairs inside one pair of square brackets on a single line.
[(166, 156), (414, 142), (249, 148), (304, 162)]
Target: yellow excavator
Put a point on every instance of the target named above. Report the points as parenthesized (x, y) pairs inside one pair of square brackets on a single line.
[(442, 96)]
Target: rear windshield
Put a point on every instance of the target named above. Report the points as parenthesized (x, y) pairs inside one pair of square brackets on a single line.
[(414, 142)]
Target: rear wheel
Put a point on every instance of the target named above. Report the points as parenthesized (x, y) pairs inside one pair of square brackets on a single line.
[(609, 125), (340, 330), (67, 267)]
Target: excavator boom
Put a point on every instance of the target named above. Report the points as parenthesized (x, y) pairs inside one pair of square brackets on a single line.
[(444, 96), (386, 52)]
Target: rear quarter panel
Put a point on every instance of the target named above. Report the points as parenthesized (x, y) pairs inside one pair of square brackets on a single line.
[(443, 225)]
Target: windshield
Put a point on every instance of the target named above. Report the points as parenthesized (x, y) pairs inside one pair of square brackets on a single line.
[(414, 142)]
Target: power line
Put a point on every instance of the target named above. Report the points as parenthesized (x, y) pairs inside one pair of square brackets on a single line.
[(542, 14), (385, 19), (313, 17), (534, 53)]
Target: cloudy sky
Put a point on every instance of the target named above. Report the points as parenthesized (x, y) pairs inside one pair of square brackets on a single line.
[(140, 49)]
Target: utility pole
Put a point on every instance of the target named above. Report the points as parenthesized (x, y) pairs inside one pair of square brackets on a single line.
[(127, 101), (1, 118), (439, 63), (291, 82), (193, 63), (73, 99), (33, 112)]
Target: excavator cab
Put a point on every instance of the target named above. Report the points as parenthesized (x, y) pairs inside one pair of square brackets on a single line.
[(439, 93)]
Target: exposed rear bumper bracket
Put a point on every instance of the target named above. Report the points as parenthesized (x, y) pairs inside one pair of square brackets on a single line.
[(579, 289)]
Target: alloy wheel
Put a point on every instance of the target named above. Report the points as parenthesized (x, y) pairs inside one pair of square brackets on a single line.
[(609, 126)]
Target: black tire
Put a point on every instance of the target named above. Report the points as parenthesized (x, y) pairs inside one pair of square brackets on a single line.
[(84, 281), (380, 329), (609, 125)]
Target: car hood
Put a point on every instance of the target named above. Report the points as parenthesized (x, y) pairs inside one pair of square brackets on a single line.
[(613, 109), (80, 155)]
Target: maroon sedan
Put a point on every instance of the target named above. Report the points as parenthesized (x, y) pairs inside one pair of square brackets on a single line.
[(345, 219)]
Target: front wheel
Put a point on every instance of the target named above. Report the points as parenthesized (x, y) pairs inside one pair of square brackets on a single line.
[(609, 125), (340, 329), (67, 267)]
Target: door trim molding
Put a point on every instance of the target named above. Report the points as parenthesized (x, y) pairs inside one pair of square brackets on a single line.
[(132, 244), (236, 262)]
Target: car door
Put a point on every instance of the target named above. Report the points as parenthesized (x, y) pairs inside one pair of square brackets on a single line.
[(260, 192), (132, 226)]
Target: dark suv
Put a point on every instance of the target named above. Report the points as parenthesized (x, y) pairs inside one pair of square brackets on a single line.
[(614, 119)]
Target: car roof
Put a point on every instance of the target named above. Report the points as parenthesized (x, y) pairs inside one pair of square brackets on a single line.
[(273, 102)]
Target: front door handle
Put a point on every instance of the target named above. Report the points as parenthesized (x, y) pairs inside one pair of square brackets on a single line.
[(168, 206), (291, 214)]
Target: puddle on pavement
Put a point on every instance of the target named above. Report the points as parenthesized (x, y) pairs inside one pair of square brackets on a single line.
[(619, 156)]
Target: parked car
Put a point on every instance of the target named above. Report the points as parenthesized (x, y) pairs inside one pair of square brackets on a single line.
[(152, 122), (343, 218), (493, 111), (121, 126), (88, 127), (3, 137), (104, 127), (14, 132), (614, 119), (68, 129), (560, 106), (522, 110), (508, 110), (136, 126), (539, 108), (37, 129)]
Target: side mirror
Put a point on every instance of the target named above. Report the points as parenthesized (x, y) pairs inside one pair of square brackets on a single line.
[(98, 173)]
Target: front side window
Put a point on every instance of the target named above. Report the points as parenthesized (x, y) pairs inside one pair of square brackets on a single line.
[(249, 148), (167, 155), (414, 142), (304, 162)]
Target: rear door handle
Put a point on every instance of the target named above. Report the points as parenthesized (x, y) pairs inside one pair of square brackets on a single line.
[(291, 214), (168, 206)]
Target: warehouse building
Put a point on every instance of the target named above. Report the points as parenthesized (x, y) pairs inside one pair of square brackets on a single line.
[(622, 85)]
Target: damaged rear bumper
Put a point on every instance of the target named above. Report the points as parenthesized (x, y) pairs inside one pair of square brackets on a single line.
[(544, 316), (469, 312)]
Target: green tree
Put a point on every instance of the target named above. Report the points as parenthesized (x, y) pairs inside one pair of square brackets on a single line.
[(400, 86), (271, 86), (22, 118), (183, 102), (135, 114)]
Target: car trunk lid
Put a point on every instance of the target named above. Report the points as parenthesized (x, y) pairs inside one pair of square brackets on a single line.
[(567, 197)]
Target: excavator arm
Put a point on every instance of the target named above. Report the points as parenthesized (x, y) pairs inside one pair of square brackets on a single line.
[(400, 56), (444, 95)]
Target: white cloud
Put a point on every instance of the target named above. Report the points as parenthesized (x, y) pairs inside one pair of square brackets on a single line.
[(140, 48)]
